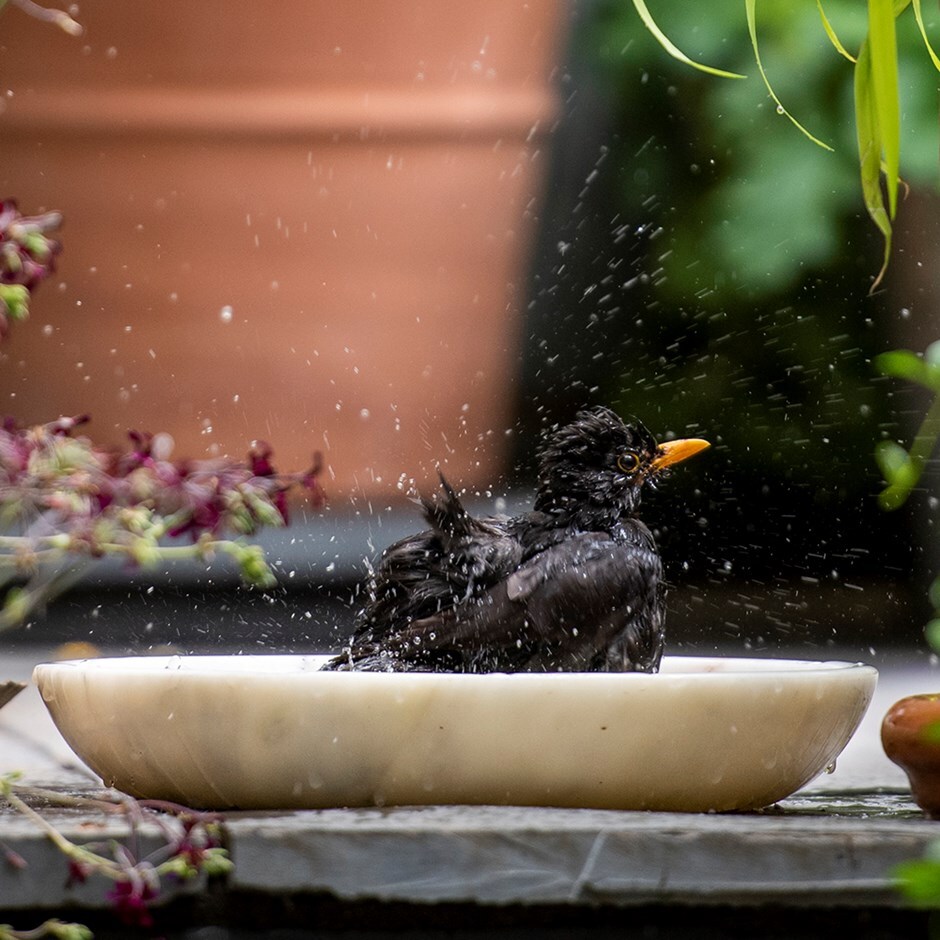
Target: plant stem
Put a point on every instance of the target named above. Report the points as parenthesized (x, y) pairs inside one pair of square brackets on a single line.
[(38, 592), (64, 845)]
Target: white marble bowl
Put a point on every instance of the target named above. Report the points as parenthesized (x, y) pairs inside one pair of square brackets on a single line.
[(273, 732)]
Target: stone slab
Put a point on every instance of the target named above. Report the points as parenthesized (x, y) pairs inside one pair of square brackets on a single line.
[(825, 846), (826, 850)]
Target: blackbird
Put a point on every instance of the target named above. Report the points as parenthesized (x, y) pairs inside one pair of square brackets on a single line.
[(574, 585)]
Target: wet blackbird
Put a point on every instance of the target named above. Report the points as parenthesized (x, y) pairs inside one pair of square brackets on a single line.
[(575, 585)]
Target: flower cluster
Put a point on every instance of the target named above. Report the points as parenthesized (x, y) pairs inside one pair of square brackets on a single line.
[(27, 256), (65, 502), (191, 847)]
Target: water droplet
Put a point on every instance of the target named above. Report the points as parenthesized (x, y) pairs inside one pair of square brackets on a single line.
[(780, 109), (831, 768), (226, 314), (162, 445)]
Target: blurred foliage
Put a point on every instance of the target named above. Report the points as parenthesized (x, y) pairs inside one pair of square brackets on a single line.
[(903, 468), (706, 267), (918, 880), (876, 98), (774, 205), (66, 503)]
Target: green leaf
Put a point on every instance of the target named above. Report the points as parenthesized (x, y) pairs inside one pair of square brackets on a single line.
[(932, 632), (868, 134), (918, 15), (893, 497), (831, 33), (883, 50), (893, 461), (750, 7), (901, 472), (904, 364), (919, 881), (671, 48)]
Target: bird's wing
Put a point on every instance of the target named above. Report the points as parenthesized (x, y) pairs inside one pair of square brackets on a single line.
[(563, 609), (425, 573)]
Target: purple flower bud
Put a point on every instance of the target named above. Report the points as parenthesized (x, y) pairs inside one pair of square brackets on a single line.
[(130, 900), (78, 873), (27, 255)]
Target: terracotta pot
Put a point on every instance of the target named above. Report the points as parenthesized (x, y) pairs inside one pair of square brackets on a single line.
[(311, 227), (910, 734)]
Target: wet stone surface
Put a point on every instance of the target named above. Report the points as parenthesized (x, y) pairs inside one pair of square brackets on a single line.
[(855, 804)]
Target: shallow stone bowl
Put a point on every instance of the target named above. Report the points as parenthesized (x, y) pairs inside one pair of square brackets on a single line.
[(273, 732)]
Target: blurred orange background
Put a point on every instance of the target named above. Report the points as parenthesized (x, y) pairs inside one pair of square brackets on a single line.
[(311, 226)]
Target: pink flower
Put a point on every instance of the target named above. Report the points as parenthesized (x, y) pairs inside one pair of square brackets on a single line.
[(130, 900), (78, 873)]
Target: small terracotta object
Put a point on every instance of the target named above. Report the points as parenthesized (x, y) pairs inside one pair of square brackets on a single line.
[(910, 735)]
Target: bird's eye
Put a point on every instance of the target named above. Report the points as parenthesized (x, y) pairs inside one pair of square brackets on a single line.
[(628, 462)]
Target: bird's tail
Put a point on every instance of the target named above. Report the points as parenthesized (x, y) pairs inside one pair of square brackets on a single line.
[(446, 514)]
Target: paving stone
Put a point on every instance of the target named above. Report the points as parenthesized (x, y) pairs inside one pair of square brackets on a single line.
[(833, 844), (501, 855)]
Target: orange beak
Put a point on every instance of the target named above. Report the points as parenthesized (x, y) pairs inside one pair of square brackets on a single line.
[(672, 452)]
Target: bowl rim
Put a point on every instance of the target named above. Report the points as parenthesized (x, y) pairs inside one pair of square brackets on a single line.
[(698, 668)]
